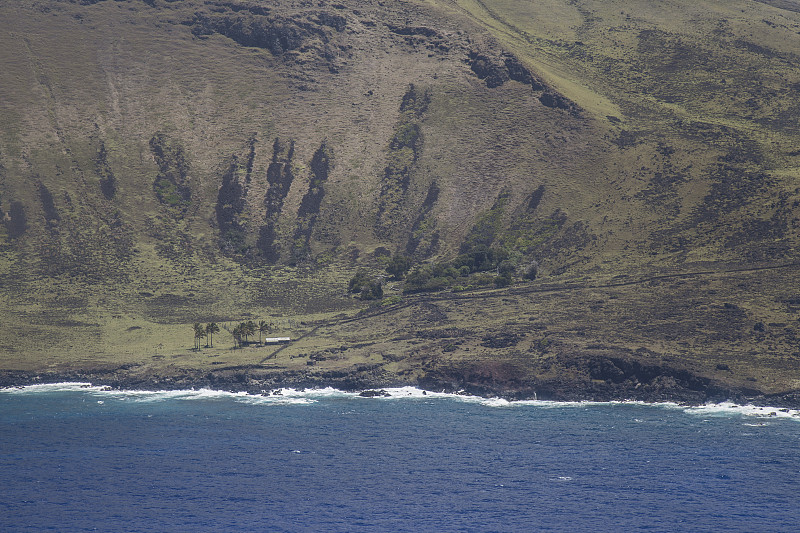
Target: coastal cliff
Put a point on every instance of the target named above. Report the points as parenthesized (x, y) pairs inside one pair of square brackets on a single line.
[(561, 200)]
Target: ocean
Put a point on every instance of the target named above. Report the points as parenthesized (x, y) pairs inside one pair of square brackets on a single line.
[(77, 458)]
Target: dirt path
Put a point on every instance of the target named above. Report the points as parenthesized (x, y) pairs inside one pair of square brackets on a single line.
[(514, 291)]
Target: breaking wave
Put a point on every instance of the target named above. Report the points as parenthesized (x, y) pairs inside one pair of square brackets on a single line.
[(288, 396)]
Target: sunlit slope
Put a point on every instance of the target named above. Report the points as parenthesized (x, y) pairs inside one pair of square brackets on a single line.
[(140, 136), (166, 162), (707, 129)]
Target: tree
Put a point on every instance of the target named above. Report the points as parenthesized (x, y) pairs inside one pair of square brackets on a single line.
[(398, 266), (199, 333), (358, 281), (212, 328), (246, 329), (237, 336), (506, 268), (533, 270), (263, 327), (372, 291), (250, 328), (420, 276)]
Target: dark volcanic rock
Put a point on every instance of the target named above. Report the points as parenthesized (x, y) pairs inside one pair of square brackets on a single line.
[(496, 70), (500, 340), (374, 393), (556, 101), (580, 377), (275, 35), (258, 28)]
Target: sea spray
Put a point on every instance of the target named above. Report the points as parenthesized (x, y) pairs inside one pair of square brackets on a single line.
[(310, 396)]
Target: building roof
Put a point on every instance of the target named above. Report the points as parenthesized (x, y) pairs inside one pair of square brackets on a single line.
[(274, 340)]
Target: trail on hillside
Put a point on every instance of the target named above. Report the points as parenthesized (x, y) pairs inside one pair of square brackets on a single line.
[(495, 293)]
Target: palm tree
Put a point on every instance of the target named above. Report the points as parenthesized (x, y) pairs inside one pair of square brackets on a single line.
[(252, 327), (248, 328), (199, 333), (237, 335), (263, 327), (212, 328)]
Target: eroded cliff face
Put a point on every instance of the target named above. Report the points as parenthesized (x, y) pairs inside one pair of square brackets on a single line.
[(396, 94)]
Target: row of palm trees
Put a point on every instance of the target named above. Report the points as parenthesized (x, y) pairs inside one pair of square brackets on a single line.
[(241, 332), (202, 332), (246, 329)]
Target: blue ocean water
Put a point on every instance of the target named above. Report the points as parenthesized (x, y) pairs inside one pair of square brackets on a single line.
[(80, 459)]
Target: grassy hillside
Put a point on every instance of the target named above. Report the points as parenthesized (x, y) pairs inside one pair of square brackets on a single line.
[(170, 162)]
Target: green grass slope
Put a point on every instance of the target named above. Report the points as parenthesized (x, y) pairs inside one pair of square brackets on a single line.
[(170, 162)]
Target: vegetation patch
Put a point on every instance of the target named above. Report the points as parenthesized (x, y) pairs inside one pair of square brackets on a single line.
[(51, 215), (15, 221), (108, 183), (488, 225), (404, 149), (367, 287), (480, 267), (423, 241), (321, 165), (89, 242), (231, 200), (279, 177), (172, 184)]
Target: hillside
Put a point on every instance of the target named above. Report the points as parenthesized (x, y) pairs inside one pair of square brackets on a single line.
[(170, 162)]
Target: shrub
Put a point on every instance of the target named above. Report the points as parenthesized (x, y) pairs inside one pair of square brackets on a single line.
[(391, 300), (482, 280), (419, 276), (533, 270), (358, 281), (398, 266), (502, 281), (372, 291), (506, 268)]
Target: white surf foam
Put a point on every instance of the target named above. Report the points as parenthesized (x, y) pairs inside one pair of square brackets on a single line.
[(290, 396), (50, 387), (395, 393), (285, 398), (728, 408)]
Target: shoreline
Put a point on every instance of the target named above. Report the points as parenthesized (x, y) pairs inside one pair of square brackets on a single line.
[(289, 395), (121, 379)]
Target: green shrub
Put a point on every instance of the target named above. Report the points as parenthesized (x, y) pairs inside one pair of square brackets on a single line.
[(482, 280), (372, 291), (506, 268), (502, 281), (391, 300), (398, 266), (533, 271), (358, 281)]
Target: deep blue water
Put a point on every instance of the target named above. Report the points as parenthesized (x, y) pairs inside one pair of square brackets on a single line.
[(82, 460)]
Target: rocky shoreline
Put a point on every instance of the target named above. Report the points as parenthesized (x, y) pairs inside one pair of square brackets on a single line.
[(254, 380)]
